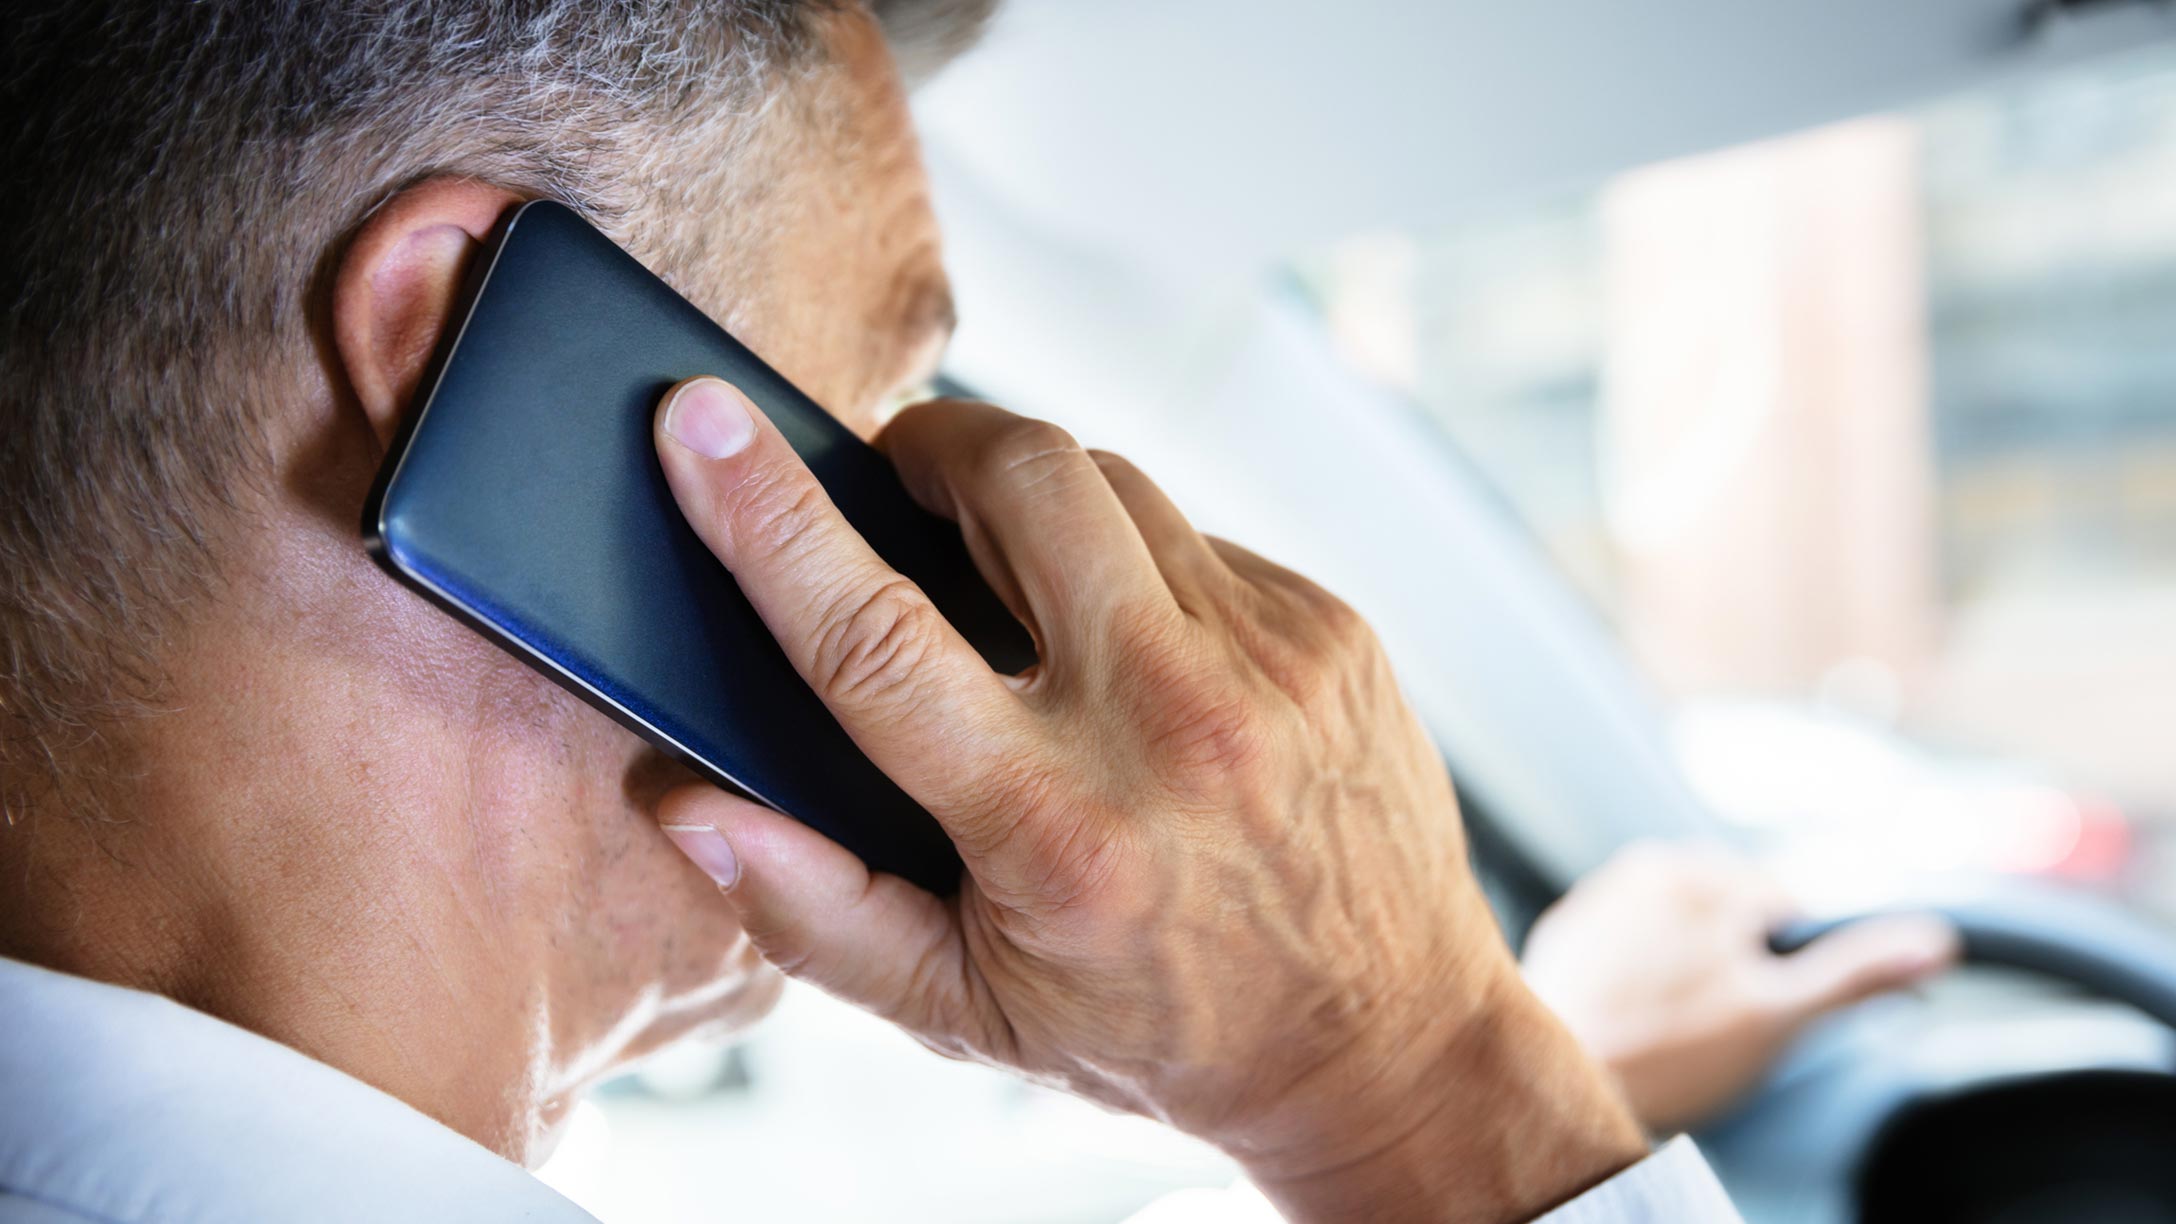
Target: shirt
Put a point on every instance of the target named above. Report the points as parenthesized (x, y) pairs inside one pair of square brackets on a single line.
[(122, 1107)]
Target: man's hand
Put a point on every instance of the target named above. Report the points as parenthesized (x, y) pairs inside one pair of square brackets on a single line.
[(1659, 961), (1215, 872)]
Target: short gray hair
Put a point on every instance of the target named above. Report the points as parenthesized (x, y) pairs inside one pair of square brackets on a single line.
[(179, 172)]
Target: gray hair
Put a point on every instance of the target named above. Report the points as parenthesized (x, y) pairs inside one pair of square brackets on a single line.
[(179, 173)]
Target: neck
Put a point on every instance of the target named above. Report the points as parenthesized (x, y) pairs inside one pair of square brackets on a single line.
[(300, 912)]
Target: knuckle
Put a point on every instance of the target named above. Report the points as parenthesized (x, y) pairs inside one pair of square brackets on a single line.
[(1067, 864), (1027, 451), (782, 943), (774, 514), (1313, 646), (1336, 623), (1002, 803), (1143, 626), (873, 641), (1339, 642), (1061, 841), (1116, 468), (794, 959), (1209, 725)]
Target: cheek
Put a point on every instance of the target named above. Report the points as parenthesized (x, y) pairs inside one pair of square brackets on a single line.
[(652, 908), (573, 799), (529, 811), (549, 782), (530, 780), (569, 798)]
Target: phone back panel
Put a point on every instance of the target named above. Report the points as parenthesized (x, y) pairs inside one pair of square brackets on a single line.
[(526, 498)]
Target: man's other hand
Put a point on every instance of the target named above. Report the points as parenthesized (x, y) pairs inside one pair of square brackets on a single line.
[(1215, 871), (1659, 961)]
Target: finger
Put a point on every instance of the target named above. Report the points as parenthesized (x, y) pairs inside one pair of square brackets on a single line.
[(1308, 610), (897, 676), (1037, 507), (1243, 560), (1183, 556), (1263, 572), (817, 913), (1861, 960)]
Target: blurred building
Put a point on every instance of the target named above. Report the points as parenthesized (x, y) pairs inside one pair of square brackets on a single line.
[(1882, 415)]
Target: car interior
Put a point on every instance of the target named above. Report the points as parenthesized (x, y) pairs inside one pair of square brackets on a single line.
[(1451, 308)]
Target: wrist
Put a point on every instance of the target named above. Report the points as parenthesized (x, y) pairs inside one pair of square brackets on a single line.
[(1498, 1116)]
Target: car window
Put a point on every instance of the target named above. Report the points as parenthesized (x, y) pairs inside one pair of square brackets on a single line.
[(1863, 440)]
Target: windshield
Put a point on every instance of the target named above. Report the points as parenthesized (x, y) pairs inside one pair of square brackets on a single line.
[(1864, 443)]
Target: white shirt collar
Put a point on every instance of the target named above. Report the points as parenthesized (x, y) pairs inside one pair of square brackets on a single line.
[(122, 1106)]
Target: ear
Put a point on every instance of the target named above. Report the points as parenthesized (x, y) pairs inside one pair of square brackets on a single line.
[(395, 287)]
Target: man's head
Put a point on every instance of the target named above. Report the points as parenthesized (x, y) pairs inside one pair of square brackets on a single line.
[(234, 754)]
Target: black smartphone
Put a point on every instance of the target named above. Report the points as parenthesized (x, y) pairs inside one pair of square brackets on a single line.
[(524, 496)]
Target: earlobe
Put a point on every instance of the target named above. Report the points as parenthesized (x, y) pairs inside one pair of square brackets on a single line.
[(396, 287)]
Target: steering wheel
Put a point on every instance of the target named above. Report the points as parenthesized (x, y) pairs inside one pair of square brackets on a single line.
[(2069, 937), (2038, 1149)]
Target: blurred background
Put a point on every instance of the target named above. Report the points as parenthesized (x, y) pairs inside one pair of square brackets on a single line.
[(1816, 491), (1863, 442)]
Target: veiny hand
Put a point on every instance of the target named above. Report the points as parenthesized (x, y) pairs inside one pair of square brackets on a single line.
[(1659, 961), (1215, 869)]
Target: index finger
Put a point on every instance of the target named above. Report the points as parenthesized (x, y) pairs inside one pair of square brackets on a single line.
[(913, 694)]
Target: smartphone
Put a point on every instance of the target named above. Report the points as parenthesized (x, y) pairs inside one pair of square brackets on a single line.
[(524, 497)]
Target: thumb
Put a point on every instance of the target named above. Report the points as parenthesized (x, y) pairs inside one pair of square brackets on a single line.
[(1863, 959), (815, 911)]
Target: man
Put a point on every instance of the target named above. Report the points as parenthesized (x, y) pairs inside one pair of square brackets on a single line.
[(320, 907)]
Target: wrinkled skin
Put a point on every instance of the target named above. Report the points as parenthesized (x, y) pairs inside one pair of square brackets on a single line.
[(1215, 871)]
